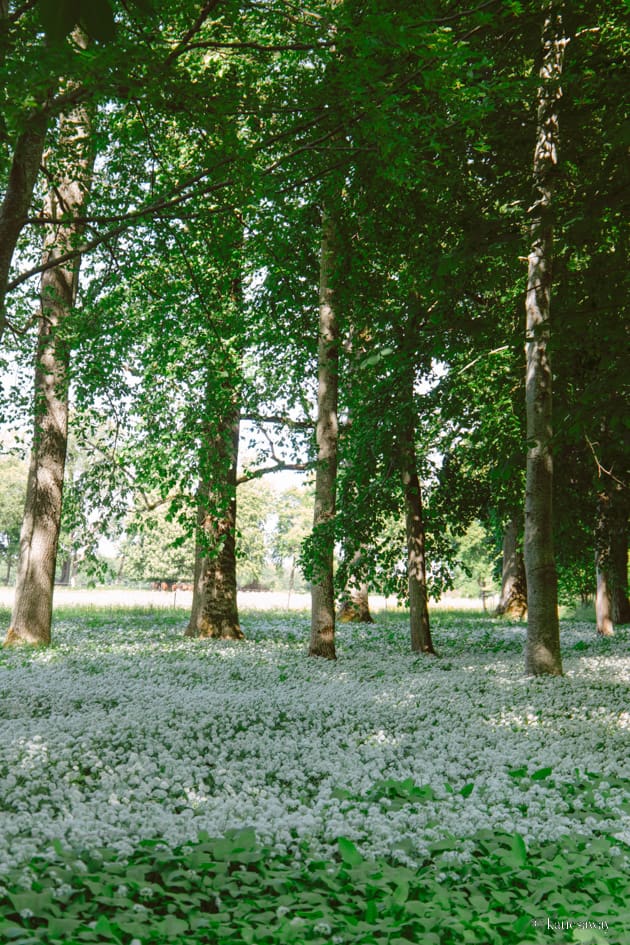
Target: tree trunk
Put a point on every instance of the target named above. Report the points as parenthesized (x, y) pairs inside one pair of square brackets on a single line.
[(543, 631), (66, 570), (322, 641), (356, 607), (603, 595), (513, 600), (27, 158), (32, 609), (611, 559), (620, 609), (214, 610), (416, 564)]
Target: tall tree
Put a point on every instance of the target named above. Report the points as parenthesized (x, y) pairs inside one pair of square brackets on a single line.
[(543, 631), (611, 556), (322, 642), (23, 169), (414, 518), (214, 610), (71, 171)]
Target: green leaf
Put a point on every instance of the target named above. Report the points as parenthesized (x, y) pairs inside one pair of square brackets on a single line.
[(518, 849), (375, 358), (401, 894), (104, 927), (171, 926), (340, 793), (518, 772), (349, 853), (541, 774)]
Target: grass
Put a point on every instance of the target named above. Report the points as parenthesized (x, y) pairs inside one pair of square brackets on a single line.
[(155, 789)]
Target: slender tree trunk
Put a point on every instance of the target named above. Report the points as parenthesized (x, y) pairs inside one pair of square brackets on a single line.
[(27, 158), (214, 610), (32, 609), (513, 600), (620, 610), (66, 569), (611, 559), (322, 641), (543, 632), (416, 563), (603, 570)]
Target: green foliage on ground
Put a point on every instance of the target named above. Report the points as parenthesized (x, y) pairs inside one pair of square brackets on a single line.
[(230, 889), (483, 887)]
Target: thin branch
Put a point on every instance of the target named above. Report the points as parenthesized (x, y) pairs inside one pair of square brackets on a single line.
[(279, 420), (458, 16), (484, 355), (15, 16), (201, 19), (278, 467), (602, 469), (260, 47)]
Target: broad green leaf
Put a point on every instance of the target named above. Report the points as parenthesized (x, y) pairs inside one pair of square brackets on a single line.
[(349, 853)]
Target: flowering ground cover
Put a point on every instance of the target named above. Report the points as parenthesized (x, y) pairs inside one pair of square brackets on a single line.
[(158, 789)]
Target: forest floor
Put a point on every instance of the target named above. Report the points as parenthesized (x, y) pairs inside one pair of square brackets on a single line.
[(159, 789)]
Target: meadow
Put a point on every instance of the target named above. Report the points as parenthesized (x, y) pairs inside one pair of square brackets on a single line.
[(158, 789)]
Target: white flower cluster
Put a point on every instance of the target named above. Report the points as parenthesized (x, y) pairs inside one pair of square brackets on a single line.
[(111, 738)]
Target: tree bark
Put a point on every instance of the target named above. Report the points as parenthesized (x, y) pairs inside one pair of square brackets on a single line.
[(322, 642), (543, 631), (611, 559), (416, 562), (27, 158), (66, 570), (356, 607), (620, 609), (603, 594), (32, 609), (513, 600), (214, 612)]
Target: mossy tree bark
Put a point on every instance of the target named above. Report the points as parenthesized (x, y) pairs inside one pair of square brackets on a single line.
[(322, 641), (71, 171), (543, 631)]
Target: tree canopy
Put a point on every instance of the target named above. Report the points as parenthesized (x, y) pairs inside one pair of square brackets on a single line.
[(224, 134)]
